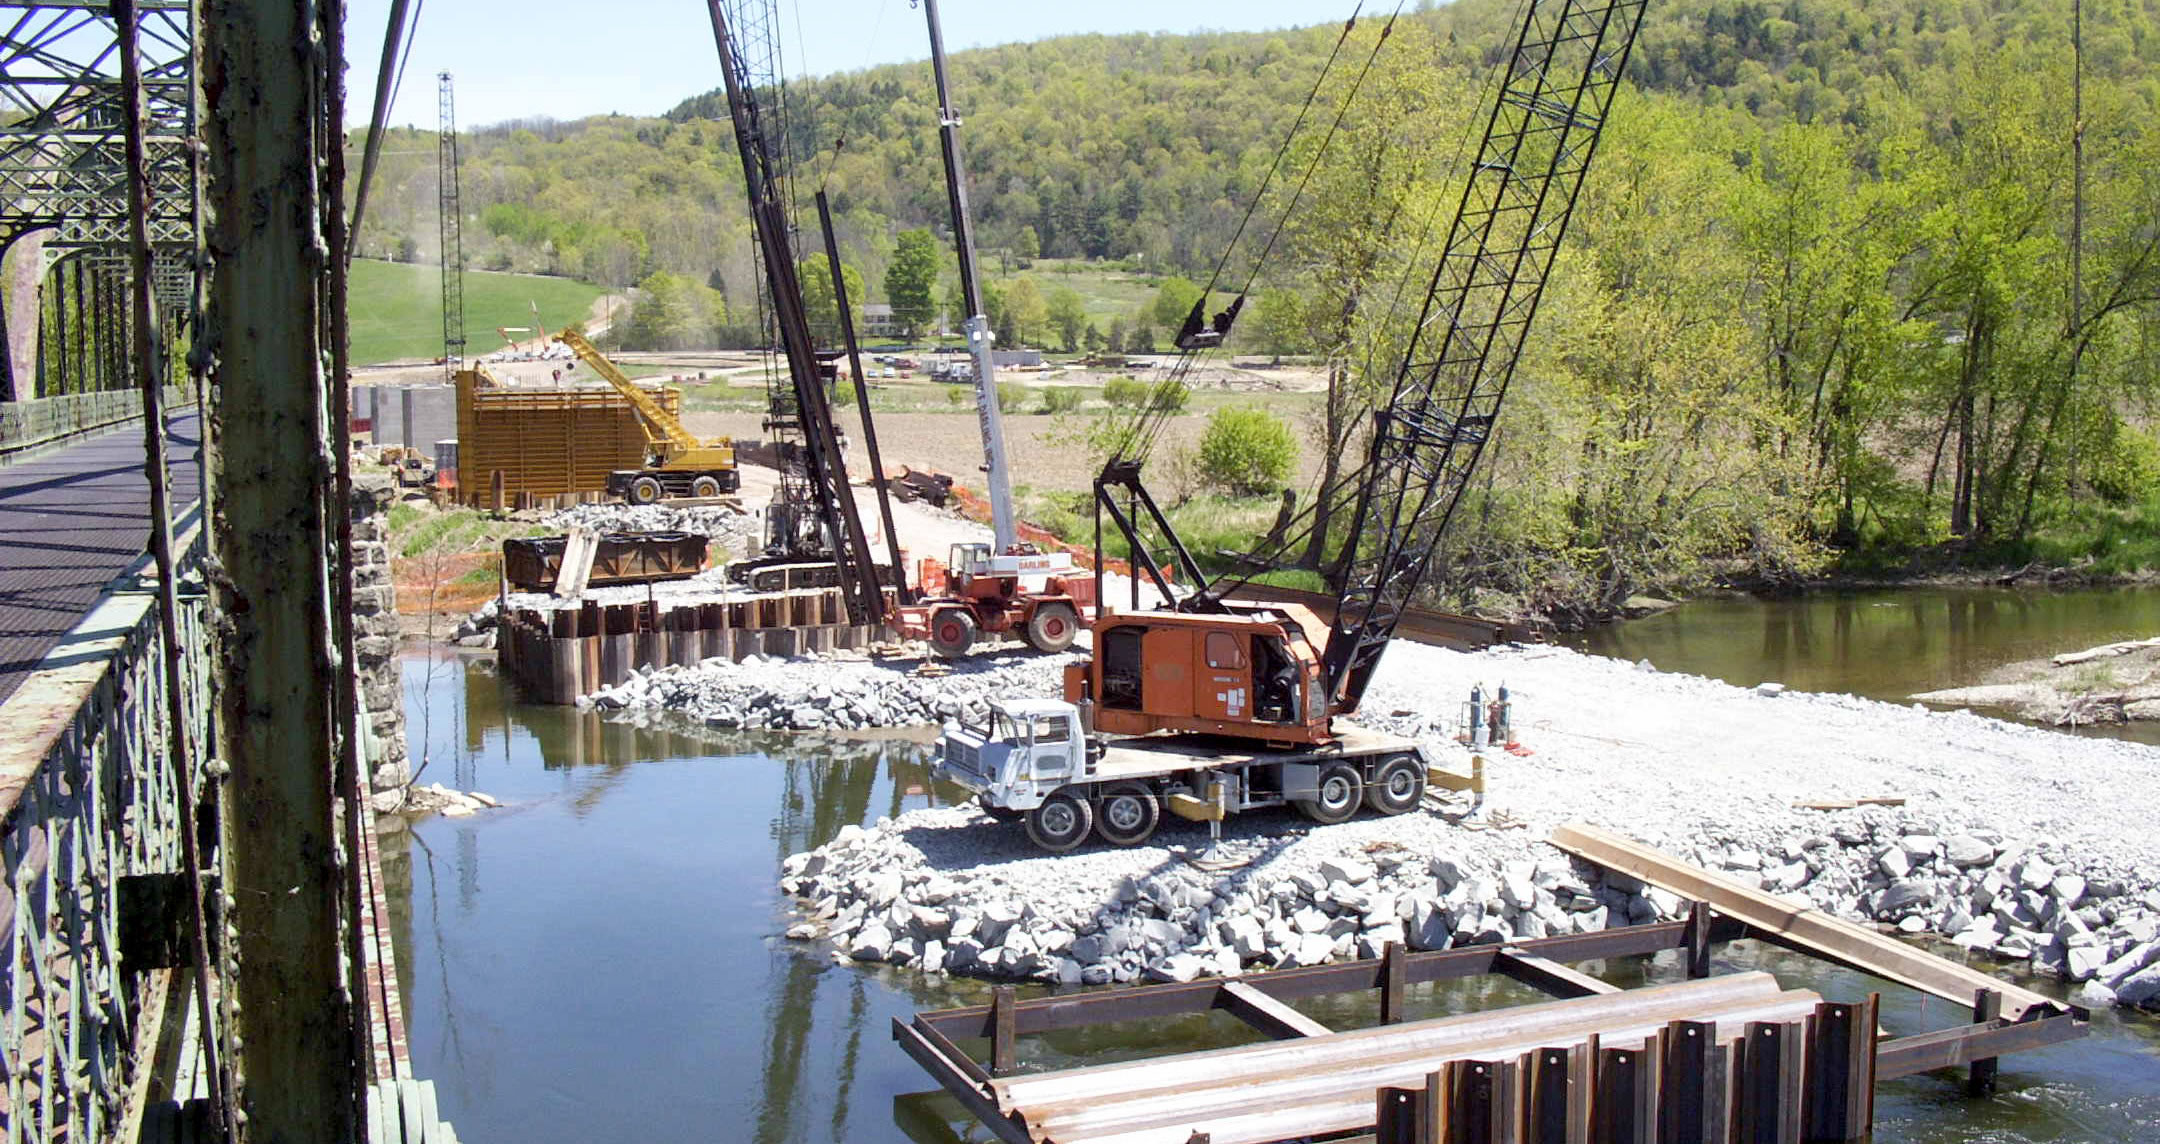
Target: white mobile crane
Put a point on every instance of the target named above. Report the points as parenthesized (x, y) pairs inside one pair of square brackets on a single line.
[(1232, 706), (1004, 586)]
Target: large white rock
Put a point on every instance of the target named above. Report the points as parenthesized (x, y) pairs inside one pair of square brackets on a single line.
[(1964, 850), (1346, 869), (882, 888), (2115, 972), (872, 943), (1312, 949), (2083, 962), (1374, 942), (1919, 847), (2140, 988), (995, 919)]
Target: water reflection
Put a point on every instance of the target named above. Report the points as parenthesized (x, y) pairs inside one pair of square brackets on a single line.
[(601, 959), (1887, 645)]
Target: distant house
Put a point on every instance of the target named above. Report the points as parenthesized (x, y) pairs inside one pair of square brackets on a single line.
[(877, 319)]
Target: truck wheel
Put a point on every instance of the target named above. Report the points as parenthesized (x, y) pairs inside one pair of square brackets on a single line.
[(1002, 814), (1397, 786), (1060, 823), (706, 486), (952, 632), (730, 481), (1052, 627), (1339, 792), (1127, 814), (645, 490)]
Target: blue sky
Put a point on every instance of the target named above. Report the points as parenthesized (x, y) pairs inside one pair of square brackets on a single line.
[(565, 60)]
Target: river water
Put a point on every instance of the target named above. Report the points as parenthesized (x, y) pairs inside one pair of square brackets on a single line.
[(601, 960), (1883, 644)]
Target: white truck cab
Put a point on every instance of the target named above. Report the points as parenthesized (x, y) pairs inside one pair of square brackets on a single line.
[(1028, 749)]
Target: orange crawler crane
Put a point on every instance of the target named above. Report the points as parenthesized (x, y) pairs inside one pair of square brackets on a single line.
[(1213, 707)]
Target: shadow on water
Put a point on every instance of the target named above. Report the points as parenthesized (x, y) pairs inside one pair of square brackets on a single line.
[(1887, 645), (601, 959)]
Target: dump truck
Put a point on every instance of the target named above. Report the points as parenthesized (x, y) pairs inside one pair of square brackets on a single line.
[(677, 463)]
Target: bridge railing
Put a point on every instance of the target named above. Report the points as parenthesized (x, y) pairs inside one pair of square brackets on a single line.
[(27, 426), (88, 794)]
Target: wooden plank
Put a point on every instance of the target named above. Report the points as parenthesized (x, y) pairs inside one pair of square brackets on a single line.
[(1401, 1115), (1829, 938), (1619, 1108), (1267, 1014), (1548, 975), (1698, 939), (1850, 803), (1541, 1023)]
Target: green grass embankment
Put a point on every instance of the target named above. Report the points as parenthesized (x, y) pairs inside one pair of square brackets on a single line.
[(396, 308)]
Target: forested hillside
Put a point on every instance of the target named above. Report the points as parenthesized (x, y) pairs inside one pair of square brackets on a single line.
[(1818, 301)]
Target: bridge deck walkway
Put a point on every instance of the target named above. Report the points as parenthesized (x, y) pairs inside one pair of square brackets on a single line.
[(71, 519)]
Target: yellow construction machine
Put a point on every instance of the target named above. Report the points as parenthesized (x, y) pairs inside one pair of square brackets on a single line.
[(677, 464)]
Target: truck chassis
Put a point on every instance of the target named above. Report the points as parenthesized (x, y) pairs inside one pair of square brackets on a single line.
[(1062, 785)]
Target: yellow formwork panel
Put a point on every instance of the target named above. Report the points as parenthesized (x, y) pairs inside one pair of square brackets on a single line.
[(546, 442)]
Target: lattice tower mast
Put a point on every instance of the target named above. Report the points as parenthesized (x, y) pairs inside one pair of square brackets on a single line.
[(451, 217)]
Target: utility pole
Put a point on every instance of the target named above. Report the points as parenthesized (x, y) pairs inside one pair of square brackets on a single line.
[(977, 325)]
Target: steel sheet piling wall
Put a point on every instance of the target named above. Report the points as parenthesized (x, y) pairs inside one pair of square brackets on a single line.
[(557, 656)]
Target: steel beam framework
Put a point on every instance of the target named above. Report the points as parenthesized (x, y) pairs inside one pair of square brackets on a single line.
[(62, 162), (64, 174)]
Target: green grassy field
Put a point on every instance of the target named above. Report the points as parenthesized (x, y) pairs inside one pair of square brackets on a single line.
[(396, 308), (1107, 293)]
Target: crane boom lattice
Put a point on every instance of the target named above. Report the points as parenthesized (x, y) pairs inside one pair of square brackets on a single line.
[(450, 218), (1555, 89), (823, 468)]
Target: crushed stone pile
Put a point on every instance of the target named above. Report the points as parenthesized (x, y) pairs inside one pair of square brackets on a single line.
[(728, 529), (2029, 846), (949, 890), (840, 692)]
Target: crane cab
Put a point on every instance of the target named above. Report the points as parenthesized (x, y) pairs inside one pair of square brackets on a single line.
[(1253, 673)]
